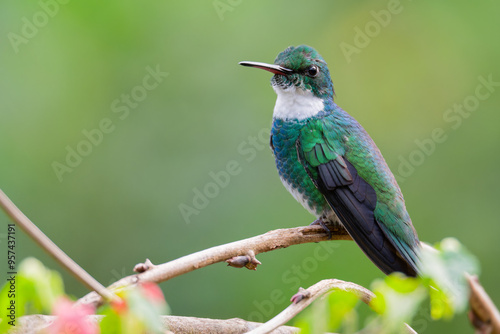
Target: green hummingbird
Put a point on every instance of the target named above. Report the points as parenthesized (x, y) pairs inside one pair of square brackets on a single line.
[(330, 164)]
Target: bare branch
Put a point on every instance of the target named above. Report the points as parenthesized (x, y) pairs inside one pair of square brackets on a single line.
[(483, 313), (172, 324), (305, 297), (248, 247), (202, 325), (51, 248), (308, 296)]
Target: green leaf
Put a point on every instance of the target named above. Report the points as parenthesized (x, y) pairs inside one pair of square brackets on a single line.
[(36, 289), (45, 284), (341, 304), (314, 319), (111, 322), (397, 300), (445, 267), (146, 311), (441, 304), (138, 311), (328, 313)]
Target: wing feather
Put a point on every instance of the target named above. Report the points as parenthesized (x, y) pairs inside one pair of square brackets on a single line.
[(354, 202)]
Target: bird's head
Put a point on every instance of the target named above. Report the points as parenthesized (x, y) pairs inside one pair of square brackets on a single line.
[(300, 67)]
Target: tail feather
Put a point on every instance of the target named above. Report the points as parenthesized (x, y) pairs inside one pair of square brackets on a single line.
[(354, 202)]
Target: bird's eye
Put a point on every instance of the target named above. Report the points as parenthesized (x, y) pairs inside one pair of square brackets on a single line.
[(312, 71)]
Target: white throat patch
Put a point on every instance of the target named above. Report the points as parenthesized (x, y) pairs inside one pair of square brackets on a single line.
[(296, 103)]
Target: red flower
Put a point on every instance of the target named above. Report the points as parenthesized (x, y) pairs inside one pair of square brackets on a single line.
[(72, 318), (119, 306)]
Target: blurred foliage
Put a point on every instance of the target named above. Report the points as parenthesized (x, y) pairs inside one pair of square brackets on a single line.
[(138, 311), (398, 299), (32, 291), (329, 313), (38, 290), (445, 270), (120, 203)]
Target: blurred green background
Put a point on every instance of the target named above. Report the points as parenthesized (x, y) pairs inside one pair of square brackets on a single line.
[(66, 67)]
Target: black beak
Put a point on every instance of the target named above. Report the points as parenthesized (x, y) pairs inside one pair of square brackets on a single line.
[(276, 69)]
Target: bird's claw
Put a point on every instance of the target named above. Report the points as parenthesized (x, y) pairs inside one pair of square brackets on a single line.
[(321, 223)]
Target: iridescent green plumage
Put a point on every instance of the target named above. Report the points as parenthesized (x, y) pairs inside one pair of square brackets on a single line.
[(332, 166)]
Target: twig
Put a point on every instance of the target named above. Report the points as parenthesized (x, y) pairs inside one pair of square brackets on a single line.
[(305, 297), (248, 247), (172, 324), (46, 244), (202, 325), (483, 313)]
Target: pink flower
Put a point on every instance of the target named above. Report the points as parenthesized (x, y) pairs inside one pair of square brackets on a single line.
[(152, 292), (72, 318)]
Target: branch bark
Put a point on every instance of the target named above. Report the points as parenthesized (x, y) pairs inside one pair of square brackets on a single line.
[(250, 247), (306, 297), (483, 313), (172, 324)]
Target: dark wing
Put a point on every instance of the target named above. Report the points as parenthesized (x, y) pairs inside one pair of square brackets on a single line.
[(353, 200)]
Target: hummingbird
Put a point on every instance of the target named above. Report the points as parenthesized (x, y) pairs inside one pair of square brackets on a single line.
[(330, 164)]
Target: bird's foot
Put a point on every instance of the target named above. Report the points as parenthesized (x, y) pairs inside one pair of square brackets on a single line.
[(321, 223)]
